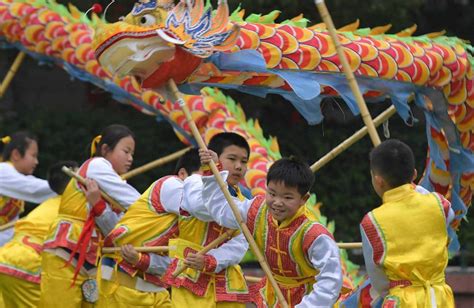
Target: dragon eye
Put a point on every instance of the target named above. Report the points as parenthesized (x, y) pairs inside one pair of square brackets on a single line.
[(147, 20)]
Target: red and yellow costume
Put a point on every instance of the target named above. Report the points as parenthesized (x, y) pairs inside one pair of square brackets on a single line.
[(301, 253), (74, 216), (148, 222), (405, 248)]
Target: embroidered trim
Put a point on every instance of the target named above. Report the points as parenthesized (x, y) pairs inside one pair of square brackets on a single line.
[(143, 262), (22, 274), (253, 212), (375, 237), (443, 203), (154, 199), (210, 264), (312, 234), (37, 247)]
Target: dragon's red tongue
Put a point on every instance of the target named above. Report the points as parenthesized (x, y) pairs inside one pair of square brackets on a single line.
[(179, 68)]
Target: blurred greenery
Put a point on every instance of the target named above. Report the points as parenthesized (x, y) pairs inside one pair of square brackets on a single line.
[(343, 186)]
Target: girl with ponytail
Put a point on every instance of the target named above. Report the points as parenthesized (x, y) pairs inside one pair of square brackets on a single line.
[(72, 248)]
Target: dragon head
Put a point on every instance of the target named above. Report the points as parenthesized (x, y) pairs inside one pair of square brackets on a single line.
[(158, 40)]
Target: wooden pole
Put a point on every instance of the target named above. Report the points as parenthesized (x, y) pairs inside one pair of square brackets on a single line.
[(156, 163), (8, 225), (222, 184), (104, 195), (253, 279), (139, 249), (349, 245), (364, 111), (216, 242), (11, 72), (352, 139)]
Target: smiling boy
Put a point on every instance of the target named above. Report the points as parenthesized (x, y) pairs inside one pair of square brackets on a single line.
[(301, 253)]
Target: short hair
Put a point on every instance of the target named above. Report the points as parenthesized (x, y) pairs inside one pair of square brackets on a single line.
[(111, 135), (219, 142), (20, 141), (292, 173), (393, 160), (189, 161), (57, 179)]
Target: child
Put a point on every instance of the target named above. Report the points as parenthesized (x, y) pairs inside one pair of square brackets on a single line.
[(301, 253), (218, 281), (20, 259), (20, 156), (150, 221), (75, 228), (405, 239)]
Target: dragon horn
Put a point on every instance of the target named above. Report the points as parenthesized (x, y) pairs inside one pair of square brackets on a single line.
[(220, 21), (407, 32), (230, 40), (380, 29), (196, 11), (350, 27)]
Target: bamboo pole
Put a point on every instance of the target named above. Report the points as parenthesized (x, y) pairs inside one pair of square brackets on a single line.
[(156, 163), (197, 136), (216, 242), (352, 139), (349, 245), (11, 72), (139, 249), (8, 225), (364, 111), (104, 195), (253, 279)]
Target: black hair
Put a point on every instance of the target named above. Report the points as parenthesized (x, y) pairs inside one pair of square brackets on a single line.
[(111, 135), (292, 173), (20, 141), (219, 142), (189, 161), (393, 160), (57, 179)]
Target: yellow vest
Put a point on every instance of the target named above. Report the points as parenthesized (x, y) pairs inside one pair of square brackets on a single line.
[(21, 257), (195, 234), (67, 227), (412, 229), (144, 224)]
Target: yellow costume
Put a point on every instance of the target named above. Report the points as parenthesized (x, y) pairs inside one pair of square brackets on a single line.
[(146, 223), (405, 248), (296, 250), (73, 217), (20, 259)]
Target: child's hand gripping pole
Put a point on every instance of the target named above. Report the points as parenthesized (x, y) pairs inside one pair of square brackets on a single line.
[(253, 245), (104, 195), (219, 240)]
